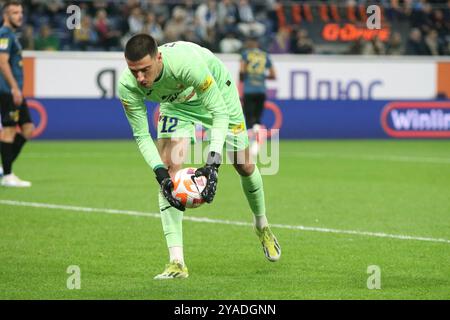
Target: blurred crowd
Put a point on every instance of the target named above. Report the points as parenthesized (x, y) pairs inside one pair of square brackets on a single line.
[(223, 26)]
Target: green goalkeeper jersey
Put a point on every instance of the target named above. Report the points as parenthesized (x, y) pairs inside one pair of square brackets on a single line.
[(195, 84)]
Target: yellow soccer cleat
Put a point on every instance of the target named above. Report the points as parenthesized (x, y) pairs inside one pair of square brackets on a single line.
[(272, 249), (173, 270)]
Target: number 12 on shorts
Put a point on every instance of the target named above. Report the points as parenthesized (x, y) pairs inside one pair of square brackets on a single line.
[(172, 122)]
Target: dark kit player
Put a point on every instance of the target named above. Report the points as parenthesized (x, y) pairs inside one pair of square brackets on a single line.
[(256, 67), (14, 110)]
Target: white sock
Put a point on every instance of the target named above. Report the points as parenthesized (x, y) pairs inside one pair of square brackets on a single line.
[(260, 222), (176, 253)]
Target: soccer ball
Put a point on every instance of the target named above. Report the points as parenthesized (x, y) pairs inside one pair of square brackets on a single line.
[(187, 188)]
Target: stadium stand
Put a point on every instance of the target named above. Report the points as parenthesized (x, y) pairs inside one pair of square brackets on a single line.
[(411, 27)]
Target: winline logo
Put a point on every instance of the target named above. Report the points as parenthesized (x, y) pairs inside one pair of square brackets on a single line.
[(417, 119)]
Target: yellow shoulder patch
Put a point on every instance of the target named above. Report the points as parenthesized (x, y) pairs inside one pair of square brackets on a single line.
[(206, 84), (4, 42)]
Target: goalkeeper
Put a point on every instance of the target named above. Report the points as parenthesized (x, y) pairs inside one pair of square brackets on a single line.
[(192, 86)]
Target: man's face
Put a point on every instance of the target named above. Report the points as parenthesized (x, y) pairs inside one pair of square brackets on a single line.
[(14, 14), (146, 70)]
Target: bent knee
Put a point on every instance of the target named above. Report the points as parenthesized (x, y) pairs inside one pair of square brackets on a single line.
[(27, 130), (245, 169)]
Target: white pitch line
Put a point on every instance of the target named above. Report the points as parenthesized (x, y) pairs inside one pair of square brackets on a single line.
[(217, 221)]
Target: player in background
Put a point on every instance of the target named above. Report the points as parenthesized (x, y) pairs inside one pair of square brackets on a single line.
[(192, 86), (14, 110), (255, 68)]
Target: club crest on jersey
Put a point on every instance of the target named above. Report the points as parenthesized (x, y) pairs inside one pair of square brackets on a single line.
[(206, 84), (4, 42)]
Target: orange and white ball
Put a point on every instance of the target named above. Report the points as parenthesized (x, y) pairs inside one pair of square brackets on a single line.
[(188, 188)]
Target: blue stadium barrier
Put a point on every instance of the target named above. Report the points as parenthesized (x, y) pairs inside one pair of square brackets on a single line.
[(362, 119)]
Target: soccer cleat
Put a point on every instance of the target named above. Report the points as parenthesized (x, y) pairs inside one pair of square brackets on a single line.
[(271, 248), (11, 180), (174, 269)]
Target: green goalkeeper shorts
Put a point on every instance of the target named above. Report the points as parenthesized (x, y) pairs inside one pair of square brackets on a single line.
[(177, 121)]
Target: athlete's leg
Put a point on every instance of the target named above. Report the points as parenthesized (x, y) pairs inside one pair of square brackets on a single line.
[(252, 185), (21, 138), (7, 138), (173, 153), (249, 110), (12, 142), (10, 117), (260, 99)]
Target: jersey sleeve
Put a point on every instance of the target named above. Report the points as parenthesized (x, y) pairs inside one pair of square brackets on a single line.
[(6, 42), (198, 75), (136, 112)]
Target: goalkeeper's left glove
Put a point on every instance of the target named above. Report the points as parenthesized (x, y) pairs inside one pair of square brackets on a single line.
[(163, 178), (210, 170)]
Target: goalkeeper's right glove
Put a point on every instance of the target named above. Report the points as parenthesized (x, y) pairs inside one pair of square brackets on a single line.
[(211, 171), (163, 177)]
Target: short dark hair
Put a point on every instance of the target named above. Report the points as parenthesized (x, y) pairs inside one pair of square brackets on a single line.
[(139, 46), (11, 3)]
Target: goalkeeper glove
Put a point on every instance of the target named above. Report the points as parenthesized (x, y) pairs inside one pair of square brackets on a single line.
[(210, 170), (163, 178)]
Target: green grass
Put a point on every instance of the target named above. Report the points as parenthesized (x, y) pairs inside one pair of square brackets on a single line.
[(395, 187)]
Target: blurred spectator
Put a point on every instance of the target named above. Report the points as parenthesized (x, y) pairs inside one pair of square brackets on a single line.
[(227, 16), (440, 24), (108, 37), (190, 35), (247, 24), (200, 32), (421, 17), (27, 39), (189, 8), (55, 12), (374, 47), (86, 37), (211, 40), (230, 44), (129, 6), (243, 18), (135, 20), (160, 9), (46, 40), (207, 16), (395, 46), (281, 43), (415, 44), (176, 25), (432, 43), (302, 43), (153, 28)]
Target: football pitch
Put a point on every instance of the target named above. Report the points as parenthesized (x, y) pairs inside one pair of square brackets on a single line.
[(340, 210)]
